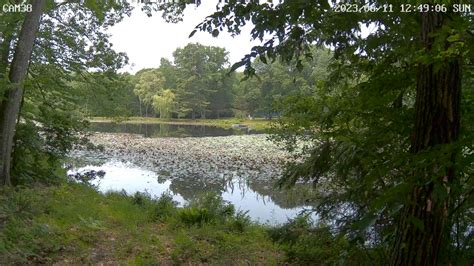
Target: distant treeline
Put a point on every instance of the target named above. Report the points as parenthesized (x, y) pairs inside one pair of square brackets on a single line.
[(199, 84)]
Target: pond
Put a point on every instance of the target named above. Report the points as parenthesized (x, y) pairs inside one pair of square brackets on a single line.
[(131, 178), (168, 130), (241, 168)]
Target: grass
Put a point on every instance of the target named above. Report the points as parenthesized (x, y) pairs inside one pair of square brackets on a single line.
[(74, 224), (257, 124)]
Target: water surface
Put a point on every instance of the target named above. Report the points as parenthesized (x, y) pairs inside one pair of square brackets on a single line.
[(167, 130), (131, 178)]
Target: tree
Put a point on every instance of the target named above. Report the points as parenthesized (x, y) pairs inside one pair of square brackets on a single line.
[(199, 72), (164, 103), (170, 73), (40, 111), (390, 129), (149, 84), (107, 94), (277, 80), (10, 107)]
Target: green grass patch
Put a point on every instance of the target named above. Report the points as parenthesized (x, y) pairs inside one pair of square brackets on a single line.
[(74, 224)]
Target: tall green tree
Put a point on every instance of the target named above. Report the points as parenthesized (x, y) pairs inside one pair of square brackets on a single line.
[(107, 94), (68, 42), (276, 80), (149, 83), (200, 70), (389, 134), (164, 103), (10, 107), (220, 102), (170, 74)]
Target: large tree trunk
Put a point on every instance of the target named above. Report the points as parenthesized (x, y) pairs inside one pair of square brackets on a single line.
[(423, 221), (18, 70), (140, 104)]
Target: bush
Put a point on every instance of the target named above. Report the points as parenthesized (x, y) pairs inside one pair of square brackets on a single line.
[(210, 208), (240, 221), (306, 243), (141, 198), (163, 208)]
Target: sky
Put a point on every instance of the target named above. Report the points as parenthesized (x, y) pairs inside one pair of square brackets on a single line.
[(147, 39)]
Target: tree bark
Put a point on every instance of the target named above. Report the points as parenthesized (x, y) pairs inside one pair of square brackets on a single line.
[(18, 71), (423, 221), (140, 104)]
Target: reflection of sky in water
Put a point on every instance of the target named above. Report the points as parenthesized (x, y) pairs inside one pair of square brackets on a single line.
[(125, 176), (260, 208)]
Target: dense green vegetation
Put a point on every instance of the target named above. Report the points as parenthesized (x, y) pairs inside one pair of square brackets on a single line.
[(198, 84), (74, 224), (385, 121), (39, 109), (391, 128)]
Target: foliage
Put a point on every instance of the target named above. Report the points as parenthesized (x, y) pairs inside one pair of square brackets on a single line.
[(149, 83), (164, 103), (200, 74), (107, 94), (358, 125), (304, 242), (199, 80), (73, 223), (274, 82), (206, 210), (196, 84), (71, 41), (164, 207)]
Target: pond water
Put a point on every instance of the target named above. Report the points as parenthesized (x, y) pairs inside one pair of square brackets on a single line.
[(131, 178), (168, 130), (240, 168)]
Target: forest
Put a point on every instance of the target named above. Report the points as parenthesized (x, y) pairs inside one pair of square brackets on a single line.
[(199, 84), (326, 144)]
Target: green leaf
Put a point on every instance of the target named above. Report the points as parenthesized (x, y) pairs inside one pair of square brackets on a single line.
[(454, 38), (237, 65), (192, 33)]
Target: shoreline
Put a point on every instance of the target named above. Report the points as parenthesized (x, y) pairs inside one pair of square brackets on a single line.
[(257, 124)]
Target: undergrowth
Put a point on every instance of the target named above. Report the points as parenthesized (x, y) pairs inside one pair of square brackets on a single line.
[(72, 223), (75, 224)]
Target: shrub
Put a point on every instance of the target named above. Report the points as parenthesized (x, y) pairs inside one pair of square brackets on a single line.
[(306, 243), (210, 208), (141, 198), (240, 221), (163, 208)]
